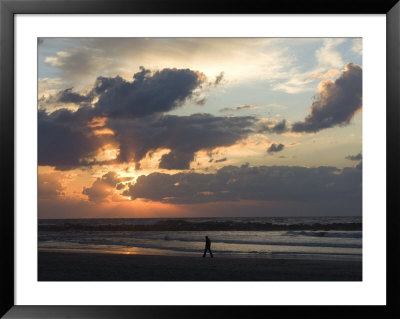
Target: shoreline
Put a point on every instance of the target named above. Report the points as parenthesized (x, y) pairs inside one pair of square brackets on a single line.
[(93, 266), (171, 253)]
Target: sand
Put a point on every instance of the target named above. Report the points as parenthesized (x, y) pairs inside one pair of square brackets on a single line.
[(60, 266)]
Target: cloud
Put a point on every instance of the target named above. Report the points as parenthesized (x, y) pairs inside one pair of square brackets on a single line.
[(82, 59), (296, 83), (272, 126), (182, 135), (275, 60), (110, 178), (67, 96), (70, 139), (49, 186), (296, 80), (103, 187), (120, 186), (357, 46), (327, 75), (240, 107), (148, 93), (48, 87), (221, 160), (66, 141), (274, 148), (263, 183), (98, 192), (219, 78), (78, 62), (327, 55), (337, 102), (201, 101), (176, 160), (250, 107), (357, 157)]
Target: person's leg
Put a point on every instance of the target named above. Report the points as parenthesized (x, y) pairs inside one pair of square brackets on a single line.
[(205, 250), (209, 249)]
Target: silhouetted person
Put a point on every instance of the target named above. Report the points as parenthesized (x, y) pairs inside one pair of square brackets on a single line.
[(208, 247)]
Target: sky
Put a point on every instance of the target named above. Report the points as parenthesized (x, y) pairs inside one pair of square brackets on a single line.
[(199, 127)]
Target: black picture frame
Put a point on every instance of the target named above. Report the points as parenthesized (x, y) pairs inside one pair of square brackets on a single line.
[(8, 8)]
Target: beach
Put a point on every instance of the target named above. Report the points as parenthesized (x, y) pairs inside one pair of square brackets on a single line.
[(78, 266)]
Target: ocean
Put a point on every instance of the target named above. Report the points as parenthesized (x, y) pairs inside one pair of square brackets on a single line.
[(338, 238)]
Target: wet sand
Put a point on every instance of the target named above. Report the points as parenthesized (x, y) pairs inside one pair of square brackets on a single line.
[(61, 266)]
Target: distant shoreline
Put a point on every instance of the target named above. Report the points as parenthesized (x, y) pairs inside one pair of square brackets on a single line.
[(62, 266)]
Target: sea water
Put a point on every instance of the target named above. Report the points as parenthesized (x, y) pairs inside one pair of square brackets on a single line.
[(297, 237)]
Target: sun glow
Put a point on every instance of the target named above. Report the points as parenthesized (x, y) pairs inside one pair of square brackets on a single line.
[(107, 153), (97, 122), (103, 131)]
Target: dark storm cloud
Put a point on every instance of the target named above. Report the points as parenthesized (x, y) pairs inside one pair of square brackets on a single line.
[(337, 102), (272, 126), (176, 160), (65, 141), (133, 113), (275, 148), (102, 84), (357, 157), (279, 127), (269, 183), (67, 96), (183, 135), (148, 93)]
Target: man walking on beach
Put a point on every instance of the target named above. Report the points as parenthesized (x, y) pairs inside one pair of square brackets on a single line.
[(208, 247)]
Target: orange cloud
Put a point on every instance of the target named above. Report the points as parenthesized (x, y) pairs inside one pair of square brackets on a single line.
[(50, 185), (328, 75), (103, 131), (97, 122)]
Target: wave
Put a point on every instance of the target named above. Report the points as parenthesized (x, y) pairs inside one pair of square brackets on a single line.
[(274, 243), (158, 243), (184, 225), (323, 234)]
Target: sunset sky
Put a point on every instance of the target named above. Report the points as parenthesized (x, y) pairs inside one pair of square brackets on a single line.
[(193, 127)]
